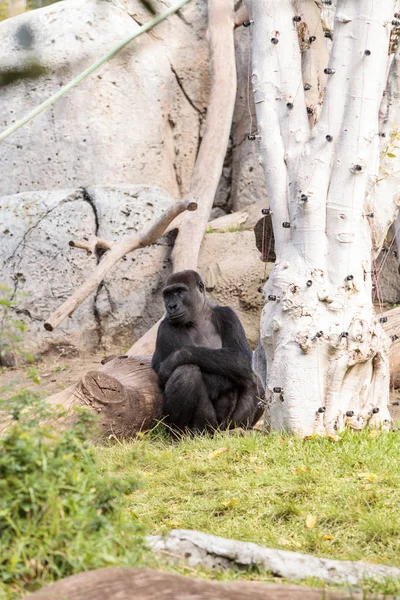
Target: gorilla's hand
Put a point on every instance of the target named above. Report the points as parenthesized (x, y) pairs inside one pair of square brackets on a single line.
[(174, 360)]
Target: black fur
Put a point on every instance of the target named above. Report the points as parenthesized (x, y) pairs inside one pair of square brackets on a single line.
[(205, 387)]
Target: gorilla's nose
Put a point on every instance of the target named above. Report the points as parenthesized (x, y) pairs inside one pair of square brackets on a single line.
[(172, 306)]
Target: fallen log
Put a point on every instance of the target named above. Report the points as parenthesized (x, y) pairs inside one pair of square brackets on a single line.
[(146, 584), (198, 549), (124, 393)]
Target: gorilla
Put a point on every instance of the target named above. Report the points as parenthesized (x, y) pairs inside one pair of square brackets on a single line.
[(203, 361)]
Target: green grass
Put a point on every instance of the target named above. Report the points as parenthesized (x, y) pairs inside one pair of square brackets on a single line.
[(262, 489), (67, 506), (59, 513)]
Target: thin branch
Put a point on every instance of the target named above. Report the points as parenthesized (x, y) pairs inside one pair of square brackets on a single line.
[(118, 250), (66, 88), (92, 245)]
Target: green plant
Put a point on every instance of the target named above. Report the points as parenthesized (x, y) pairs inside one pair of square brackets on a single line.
[(59, 512), (11, 328)]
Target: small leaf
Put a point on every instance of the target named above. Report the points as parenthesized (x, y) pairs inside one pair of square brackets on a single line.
[(367, 476), (373, 434), (390, 155), (217, 453), (311, 437), (229, 503), (328, 537), (311, 521)]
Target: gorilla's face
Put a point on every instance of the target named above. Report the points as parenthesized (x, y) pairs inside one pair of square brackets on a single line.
[(184, 298)]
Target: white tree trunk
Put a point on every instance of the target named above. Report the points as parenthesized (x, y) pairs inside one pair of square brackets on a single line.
[(323, 354)]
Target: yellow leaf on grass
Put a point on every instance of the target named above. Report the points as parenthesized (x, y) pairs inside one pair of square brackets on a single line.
[(328, 537), (257, 469), (312, 436), (229, 503), (217, 453), (311, 521), (367, 476), (373, 434)]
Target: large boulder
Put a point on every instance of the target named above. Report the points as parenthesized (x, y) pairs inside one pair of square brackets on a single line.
[(42, 270), (138, 119), (135, 120)]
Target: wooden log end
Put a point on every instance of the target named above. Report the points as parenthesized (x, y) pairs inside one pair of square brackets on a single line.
[(103, 388), (48, 326), (71, 243)]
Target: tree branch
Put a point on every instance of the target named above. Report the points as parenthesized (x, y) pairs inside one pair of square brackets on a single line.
[(279, 100), (209, 163), (118, 250), (314, 56)]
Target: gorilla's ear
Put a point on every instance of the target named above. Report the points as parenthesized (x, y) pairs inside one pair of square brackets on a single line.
[(200, 285)]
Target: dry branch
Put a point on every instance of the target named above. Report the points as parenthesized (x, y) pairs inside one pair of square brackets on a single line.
[(243, 219), (117, 251), (209, 163)]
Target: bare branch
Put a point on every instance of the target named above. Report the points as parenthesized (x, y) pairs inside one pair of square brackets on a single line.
[(93, 245), (314, 56), (118, 250), (209, 163)]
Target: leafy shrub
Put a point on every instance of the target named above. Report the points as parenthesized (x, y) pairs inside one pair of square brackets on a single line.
[(59, 513)]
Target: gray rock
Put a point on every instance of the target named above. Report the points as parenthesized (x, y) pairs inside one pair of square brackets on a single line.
[(37, 262), (135, 120)]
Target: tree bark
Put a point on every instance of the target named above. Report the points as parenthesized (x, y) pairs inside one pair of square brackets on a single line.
[(325, 354)]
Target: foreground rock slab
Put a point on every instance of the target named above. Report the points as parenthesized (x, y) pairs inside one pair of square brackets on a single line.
[(214, 552), (146, 584)]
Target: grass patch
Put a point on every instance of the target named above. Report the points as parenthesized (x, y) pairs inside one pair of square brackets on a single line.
[(230, 229), (59, 513), (67, 506), (340, 500)]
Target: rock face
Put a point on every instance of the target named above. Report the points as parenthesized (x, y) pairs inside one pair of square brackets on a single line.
[(233, 272), (38, 264), (42, 270), (136, 120)]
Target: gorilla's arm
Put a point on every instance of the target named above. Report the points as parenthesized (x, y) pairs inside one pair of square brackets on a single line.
[(232, 361), (169, 340)]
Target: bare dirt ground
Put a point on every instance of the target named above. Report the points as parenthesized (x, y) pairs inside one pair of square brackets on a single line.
[(56, 372)]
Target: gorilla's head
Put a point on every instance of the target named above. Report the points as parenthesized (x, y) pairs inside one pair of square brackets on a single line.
[(184, 297)]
